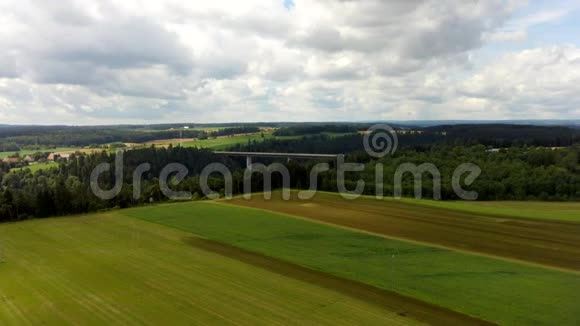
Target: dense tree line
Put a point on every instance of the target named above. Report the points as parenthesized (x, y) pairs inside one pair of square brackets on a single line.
[(511, 173), (502, 135), (492, 136), (234, 131), (524, 166), (78, 138), (66, 189), (517, 173), (317, 129), (13, 140)]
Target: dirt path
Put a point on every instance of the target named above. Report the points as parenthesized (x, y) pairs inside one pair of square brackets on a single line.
[(405, 306), (549, 243)]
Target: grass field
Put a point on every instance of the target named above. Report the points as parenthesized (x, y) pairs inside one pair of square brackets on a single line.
[(110, 269), (224, 142), (558, 211), (26, 151), (214, 143), (545, 242), (496, 290), (213, 262), (38, 166)]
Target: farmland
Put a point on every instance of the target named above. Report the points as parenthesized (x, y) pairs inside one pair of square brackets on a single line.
[(547, 242), (472, 284), (224, 142), (110, 269), (209, 261), (32, 151), (326, 260), (217, 143), (558, 211), (36, 167)]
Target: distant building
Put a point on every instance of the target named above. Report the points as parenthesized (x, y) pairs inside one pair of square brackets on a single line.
[(28, 158), (56, 156), (11, 160), (492, 150)]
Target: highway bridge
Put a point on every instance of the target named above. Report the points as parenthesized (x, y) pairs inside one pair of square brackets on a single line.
[(288, 156)]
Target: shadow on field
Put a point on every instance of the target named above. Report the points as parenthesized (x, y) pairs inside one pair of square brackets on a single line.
[(404, 306)]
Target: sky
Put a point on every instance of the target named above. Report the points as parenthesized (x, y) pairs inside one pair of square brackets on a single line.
[(116, 62)]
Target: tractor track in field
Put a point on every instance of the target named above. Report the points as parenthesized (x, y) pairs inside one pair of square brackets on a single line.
[(549, 243), (403, 305)]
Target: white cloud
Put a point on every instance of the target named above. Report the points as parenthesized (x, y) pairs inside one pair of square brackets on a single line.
[(542, 82), (506, 36), (541, 17), (517, 29), (85, 62)]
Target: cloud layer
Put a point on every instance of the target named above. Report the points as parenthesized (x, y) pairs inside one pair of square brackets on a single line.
[(86, 62)]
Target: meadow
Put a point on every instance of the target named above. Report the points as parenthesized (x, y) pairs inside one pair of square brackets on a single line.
[(496, 290), (109, 269), (36, 167), (225, 142), (25, 152)]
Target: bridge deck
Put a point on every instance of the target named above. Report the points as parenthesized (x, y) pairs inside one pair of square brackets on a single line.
[(286, 155)]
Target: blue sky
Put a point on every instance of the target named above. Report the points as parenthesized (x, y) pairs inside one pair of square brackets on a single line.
[(288, 4)]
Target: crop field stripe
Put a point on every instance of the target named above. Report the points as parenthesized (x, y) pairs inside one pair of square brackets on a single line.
[(416, 309), (545, 211), (417, 242), (564, 212), (549, 243), (110, 269), (496, 290)]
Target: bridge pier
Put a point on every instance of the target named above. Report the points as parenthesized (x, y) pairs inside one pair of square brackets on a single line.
[(282, 156)]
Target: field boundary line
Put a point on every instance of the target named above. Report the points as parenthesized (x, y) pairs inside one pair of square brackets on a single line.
[(386, 299), (423, 243), (390, 199)]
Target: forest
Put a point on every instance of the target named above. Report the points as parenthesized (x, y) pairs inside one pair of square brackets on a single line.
[(42, 137), (523, 172)]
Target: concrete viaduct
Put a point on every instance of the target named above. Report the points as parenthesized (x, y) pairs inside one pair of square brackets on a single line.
[(288, 156)]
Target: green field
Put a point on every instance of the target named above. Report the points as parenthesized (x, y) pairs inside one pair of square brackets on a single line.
[(225, 142), (496, 290), (214, 143), (32, 151), (117, 267), (36, 167), (110, 269), (563, 211)]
